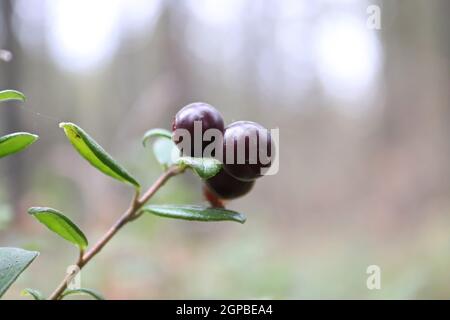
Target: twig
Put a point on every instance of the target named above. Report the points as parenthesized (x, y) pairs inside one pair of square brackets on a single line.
[(131, 214)]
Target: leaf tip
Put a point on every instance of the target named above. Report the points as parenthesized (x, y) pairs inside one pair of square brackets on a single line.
[(32, 210), (68, 125), (62, 125), (157, 132), (34, 254)]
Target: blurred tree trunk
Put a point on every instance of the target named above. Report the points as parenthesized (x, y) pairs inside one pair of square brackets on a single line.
[(11, 122), (444, 41), (176, 55), (413, 145)]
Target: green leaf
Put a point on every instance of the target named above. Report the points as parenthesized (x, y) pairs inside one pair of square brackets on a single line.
[(36, 294), (90, 150), (13, 261), (162, 133), (82, 291), (60, 224), (165, 151), (205, 167), (195, 213), (15, 142), (7, 95)]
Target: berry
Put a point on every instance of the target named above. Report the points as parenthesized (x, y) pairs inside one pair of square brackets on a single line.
[(246, 163), (225, 186), (204, 114)]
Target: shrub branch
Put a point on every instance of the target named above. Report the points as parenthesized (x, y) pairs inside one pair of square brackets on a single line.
[(129, 215)]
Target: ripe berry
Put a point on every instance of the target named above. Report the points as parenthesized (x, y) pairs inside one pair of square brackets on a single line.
[(225, 186), (203, 114), (247, 150)]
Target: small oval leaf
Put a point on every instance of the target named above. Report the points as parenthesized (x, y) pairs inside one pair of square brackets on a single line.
[(194, 213), (90, 150), (82, 291), (36, 294), (8, 95), (60, 224), (13, 261), (15, 142), (165, 152), (152, 133), (205, 167)]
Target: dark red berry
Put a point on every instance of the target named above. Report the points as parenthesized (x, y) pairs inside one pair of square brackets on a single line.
[(225, 186), (203, 114), (247, 150)]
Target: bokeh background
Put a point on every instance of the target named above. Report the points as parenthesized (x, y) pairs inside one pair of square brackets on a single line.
[(364, 143)]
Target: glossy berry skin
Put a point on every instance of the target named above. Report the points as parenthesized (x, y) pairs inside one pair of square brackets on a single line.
[(226, 187), (254, 137), (185, 118)]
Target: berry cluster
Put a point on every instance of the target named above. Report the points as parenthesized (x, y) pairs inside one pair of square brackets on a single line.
[(238, 148)]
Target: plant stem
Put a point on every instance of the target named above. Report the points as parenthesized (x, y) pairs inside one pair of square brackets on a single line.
[(129, 215)]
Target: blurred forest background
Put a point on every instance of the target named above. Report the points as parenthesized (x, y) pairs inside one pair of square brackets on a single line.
[(364, 143)]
